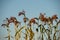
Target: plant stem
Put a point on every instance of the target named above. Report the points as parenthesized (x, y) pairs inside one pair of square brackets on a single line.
[(31, 34), (8, 33), (42, 35)]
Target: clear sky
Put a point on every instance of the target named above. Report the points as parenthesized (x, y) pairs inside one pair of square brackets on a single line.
[(10, 8)]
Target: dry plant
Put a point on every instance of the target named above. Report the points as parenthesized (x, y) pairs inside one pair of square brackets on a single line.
[(29, 33)]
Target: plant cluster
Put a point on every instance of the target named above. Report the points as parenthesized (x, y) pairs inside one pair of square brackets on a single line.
[(49, 33)]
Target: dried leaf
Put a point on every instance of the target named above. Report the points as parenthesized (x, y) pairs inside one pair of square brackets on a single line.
[(21, 13), (54, 17), (36, 18)]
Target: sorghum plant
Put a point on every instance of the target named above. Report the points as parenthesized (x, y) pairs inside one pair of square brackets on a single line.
[(49, 33)]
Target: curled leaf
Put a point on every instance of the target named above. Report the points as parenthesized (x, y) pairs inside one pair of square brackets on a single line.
[(7, 25), (36, 18), (54, 17), (21, 13)]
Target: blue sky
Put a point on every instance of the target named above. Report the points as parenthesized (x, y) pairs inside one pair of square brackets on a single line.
[(10, 8)]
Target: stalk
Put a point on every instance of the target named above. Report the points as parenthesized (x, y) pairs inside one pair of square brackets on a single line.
[(49, 31), (8, 30), (42, 37), (48, 34), (26, 34), (8, 33), (55, 30), (50, 28), (18, 33), (16, 37), (42, 30), (31, 34), (54, 36), (49, 37)]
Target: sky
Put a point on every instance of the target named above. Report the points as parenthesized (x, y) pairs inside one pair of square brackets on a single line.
[(33, 8)]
